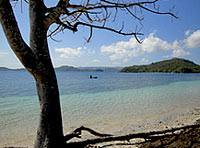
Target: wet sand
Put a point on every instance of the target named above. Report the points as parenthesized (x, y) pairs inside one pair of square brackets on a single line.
[(151, 122), (168, 120), (189, 117)]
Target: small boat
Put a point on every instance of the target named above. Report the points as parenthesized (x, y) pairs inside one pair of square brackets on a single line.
[(93, 77)]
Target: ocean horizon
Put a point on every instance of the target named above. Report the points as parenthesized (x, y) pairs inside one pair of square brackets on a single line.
[(114, 102)]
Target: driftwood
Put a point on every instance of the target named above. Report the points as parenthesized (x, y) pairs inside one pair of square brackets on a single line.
[(147, 136), (77, 133)]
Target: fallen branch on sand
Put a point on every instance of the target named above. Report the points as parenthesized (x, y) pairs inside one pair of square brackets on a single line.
[(186, 136), (147, 136)]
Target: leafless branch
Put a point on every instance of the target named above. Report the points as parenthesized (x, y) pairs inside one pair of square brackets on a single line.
[(157, 12), (54, 31), (91, 32), (148, 136), (95, 14), (77, 133), (106, 28), (140, 19)]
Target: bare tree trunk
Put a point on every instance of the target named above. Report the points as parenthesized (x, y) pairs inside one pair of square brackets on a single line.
[(37, 61), (50, 131)]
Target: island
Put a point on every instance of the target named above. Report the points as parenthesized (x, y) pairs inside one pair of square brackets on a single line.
[(66, 68), (88, 69), (175, 65)]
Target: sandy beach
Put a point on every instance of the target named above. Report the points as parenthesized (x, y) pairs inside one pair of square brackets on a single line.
[(177, 118), (190, 117)]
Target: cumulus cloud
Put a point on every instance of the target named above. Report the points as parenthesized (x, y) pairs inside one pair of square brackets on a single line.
[(154, 44), (187, 32), (179, 53), (70, 52), (96, 61), (124, 50), (193, 41), (91, 51), (143, 60)]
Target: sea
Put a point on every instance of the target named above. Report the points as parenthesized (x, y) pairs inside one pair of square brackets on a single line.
[(113, 103)]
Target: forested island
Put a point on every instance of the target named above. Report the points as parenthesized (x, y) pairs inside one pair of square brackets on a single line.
[(66, 68), (175, 65), (88, 69)]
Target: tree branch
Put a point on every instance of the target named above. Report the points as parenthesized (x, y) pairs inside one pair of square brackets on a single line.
[(121, 5), (77, 133), (152, 136), (55, 12), (135, 34), (145, 2), (156, 12), (113, 5), (67, 26), (106, 28), (85, 12), (140, 19), (15, 40)]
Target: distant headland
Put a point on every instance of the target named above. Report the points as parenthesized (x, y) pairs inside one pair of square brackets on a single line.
[(66, 68), (175, 65)]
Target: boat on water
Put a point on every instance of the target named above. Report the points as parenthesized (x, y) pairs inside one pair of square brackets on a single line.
[(93, 77)]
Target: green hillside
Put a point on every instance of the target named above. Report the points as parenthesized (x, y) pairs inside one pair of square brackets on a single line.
[(174, 65), (88, 69), (67, 68)]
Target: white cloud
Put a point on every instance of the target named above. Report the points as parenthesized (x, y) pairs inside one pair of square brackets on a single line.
[(91, 51), (143, 60), (116, 63), (79, 48), (187, 32), (96, 61), (176, 45), (179, 53), (124, 50), (69, 52), (125, 60), (154, 44), (193, 41)]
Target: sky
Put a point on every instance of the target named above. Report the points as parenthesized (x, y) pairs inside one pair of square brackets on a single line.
[(164, 38)]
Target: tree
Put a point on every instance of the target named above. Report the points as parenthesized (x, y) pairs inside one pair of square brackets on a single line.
[(67, 14)]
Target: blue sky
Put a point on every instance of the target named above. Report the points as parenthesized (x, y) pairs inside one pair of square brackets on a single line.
[(164, 38)]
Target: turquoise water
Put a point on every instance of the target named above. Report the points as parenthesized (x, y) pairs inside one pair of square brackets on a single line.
[(106, 103)]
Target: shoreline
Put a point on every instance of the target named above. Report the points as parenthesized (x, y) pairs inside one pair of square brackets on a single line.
[(168, 121), (191, 117), (161, 102)]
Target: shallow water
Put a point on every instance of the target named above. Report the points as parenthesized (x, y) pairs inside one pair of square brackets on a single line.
[(110, 103)]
